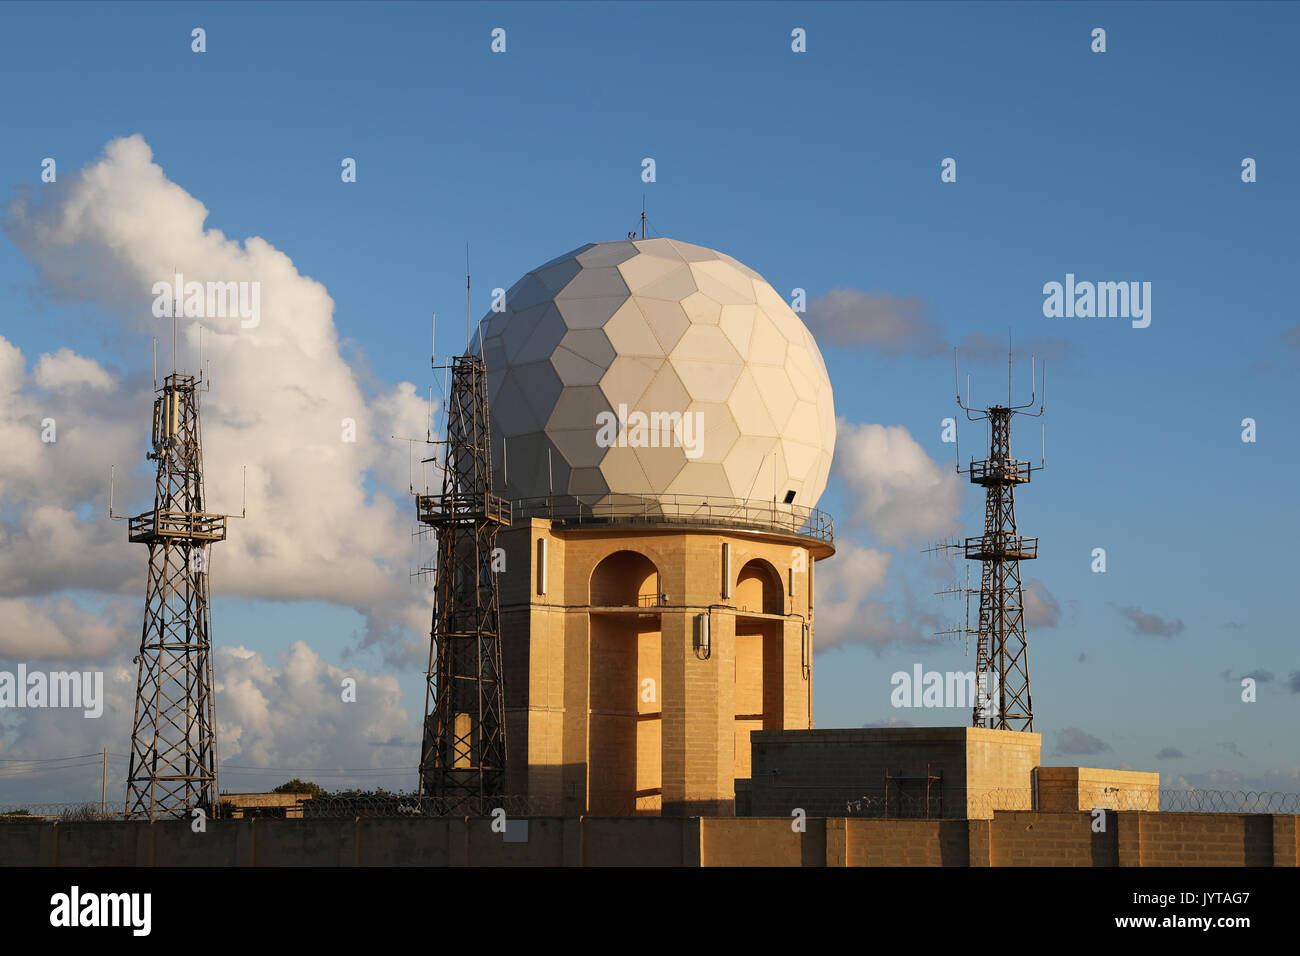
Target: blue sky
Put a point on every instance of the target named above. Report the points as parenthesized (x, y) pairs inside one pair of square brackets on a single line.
[(821, 171)]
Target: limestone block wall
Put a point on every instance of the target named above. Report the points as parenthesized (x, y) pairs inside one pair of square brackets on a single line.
[(1010, 838), (616, 703), (823, 770), (1086, 788)]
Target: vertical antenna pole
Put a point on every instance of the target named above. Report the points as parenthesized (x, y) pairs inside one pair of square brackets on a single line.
[(468, 335), (1008, 368)]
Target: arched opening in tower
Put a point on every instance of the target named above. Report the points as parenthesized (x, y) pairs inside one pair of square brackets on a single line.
[(760, 657), (624, 763)]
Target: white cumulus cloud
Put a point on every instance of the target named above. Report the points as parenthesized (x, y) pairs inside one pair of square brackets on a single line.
[(899, 492), (327, 518)]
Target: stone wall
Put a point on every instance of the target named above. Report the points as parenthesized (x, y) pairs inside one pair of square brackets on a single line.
[(1014, 838)]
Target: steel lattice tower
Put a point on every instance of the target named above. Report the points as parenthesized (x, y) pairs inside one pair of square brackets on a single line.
[(173, 739), (463, 754), (1003, 701)]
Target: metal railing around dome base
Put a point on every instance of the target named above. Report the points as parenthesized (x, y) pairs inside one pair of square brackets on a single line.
[(611, 509)]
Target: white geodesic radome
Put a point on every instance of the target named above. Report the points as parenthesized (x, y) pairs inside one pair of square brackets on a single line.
[(656, 326)]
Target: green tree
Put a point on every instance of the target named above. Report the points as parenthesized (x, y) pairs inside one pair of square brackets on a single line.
[(301, 786)]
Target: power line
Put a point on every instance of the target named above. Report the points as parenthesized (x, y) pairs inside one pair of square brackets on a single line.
[(96, 754)]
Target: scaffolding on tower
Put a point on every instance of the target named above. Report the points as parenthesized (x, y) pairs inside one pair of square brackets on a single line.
[(1003, 700), (173, 762), (463, 752)]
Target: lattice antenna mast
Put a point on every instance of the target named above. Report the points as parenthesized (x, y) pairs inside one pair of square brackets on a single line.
[(1003, 700), (173, 768), (463, 753), (965, 590)]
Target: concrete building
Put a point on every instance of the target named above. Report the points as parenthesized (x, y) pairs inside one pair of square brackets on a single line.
[(666, 427)]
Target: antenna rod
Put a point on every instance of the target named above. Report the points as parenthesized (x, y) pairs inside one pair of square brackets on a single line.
[(468, 335), (643, 215)]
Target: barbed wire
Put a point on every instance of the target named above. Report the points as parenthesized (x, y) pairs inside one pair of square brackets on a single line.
[(303, 806), (896, 804), (957, 804)]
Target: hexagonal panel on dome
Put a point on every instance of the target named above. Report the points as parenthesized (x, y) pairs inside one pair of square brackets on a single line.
[(699, 308), (674, 287), (627, 378), (678, 334), (589, 312), (667, 320), (542, 341), (556, 277), (591, 344), (596, 255), (658, 247), (590, 282), (645, 270), (693, 253), (629, 332), (573, 369)]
